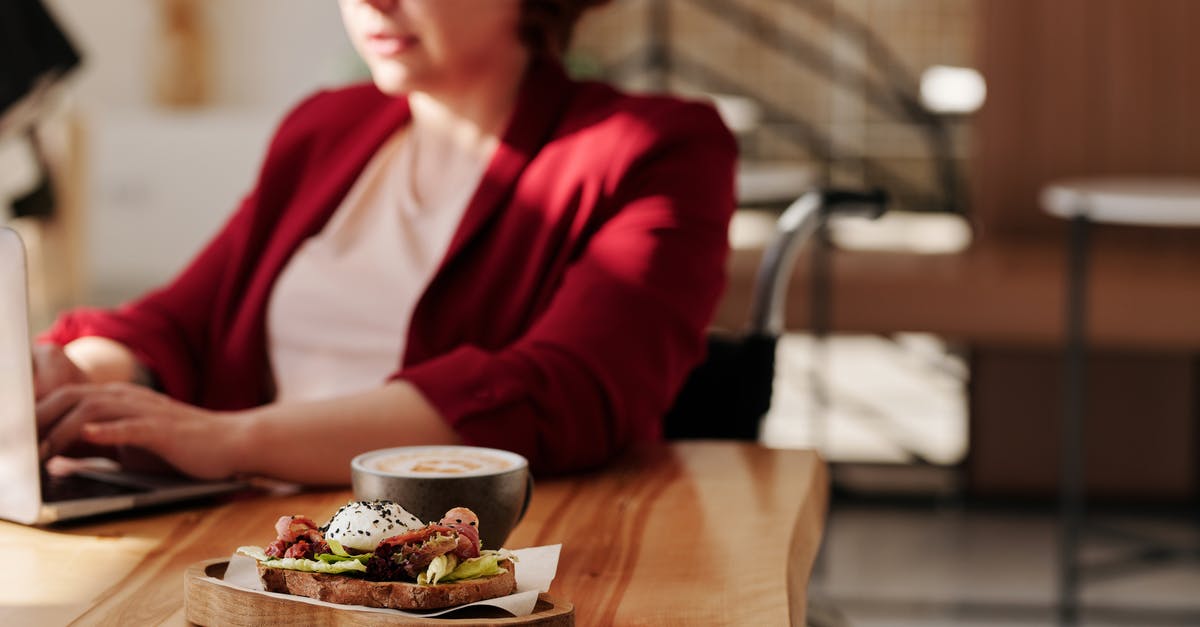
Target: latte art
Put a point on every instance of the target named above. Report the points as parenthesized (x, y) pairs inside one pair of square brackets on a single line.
[(443, 463)]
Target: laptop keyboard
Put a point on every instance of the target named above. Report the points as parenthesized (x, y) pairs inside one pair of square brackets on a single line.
[(74, 487)]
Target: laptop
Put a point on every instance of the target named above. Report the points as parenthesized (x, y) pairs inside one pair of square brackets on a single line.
[(28, 494)]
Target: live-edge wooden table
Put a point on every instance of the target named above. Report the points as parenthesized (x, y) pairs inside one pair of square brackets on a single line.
[(692, 533)]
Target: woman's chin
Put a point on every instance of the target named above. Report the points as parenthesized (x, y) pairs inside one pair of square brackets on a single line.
[(395, 81)]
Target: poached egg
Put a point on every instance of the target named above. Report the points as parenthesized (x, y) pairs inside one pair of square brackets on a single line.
[(362, 525)]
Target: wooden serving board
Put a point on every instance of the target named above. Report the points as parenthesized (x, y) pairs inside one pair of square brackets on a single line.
[(208, 603)]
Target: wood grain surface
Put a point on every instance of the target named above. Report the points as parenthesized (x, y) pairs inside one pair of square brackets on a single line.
[(698, 533)]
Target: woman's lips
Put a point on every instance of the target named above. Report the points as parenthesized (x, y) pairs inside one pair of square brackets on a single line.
[(385, 45)]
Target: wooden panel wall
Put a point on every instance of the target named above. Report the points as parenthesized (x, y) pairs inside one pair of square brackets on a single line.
[(1140, 442), (1081, 87)]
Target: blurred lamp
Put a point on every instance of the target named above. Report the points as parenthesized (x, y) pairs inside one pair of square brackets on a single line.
[(952, 90)]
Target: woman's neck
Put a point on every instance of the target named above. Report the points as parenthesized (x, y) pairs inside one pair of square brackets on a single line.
[(473, 113)]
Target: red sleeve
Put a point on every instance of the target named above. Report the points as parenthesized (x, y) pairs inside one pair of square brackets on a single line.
[(604, 361)]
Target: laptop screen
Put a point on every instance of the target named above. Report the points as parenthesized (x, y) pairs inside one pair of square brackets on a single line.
[(20, 494)]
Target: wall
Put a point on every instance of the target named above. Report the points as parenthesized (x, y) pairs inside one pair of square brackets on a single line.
[(264, 54), (1088, 88), (161, 180), (1079, 88)]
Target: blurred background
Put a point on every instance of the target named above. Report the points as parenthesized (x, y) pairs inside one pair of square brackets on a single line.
[(936, 390)]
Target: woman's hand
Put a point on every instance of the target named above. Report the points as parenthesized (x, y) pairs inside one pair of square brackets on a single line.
[(52, 369), (197, 442)]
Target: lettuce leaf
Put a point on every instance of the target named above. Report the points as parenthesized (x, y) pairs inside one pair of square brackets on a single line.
[(254, 551), (330, 558), (441, 566), (443, 569), (339, 553), (336, 547), (486, 565), (345, 565)]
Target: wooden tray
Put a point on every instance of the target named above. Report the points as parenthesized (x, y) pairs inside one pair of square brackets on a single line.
[(207, 603)]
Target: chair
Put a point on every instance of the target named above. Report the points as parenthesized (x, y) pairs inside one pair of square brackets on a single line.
[(728, 394)]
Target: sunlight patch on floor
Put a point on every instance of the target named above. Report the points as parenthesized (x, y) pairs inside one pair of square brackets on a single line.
[(889, 399)]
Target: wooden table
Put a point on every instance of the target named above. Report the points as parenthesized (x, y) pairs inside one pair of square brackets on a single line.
[(688, 533)]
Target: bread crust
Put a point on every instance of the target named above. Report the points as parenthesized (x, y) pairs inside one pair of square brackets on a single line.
[(387, 594)]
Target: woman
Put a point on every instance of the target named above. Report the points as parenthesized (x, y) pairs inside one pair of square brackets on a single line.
[(474, 249)]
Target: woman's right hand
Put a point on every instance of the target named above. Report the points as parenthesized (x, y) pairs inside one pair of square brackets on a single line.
[(52, 369)]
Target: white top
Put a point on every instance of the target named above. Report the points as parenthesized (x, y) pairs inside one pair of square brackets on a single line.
[(1135, 201), (339, 314)]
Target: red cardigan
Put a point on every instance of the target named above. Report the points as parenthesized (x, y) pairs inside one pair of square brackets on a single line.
[(570, 307)]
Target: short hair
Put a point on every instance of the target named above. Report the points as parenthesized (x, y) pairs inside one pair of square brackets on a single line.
[(546, 26)]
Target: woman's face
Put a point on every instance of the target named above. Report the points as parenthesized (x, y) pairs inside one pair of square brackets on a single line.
[(429, 45)]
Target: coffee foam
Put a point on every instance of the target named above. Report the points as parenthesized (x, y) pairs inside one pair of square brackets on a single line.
[(447, 462)]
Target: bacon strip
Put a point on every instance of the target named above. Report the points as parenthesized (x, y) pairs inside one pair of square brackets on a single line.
[(418, 535), (411, 552), (293, 528), (466, 523), (297, 536)]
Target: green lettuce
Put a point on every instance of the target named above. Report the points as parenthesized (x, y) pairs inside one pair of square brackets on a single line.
[(486, 565), (443, 569), (343, 565), (336, 547), (441, 566), (339, 554)]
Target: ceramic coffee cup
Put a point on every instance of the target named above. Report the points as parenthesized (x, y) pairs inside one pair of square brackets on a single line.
[(430, 480)]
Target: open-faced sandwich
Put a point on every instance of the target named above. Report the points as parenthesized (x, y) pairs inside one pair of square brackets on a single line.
[(374, 553)]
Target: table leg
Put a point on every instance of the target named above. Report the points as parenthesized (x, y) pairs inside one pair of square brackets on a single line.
[(1071, 489)]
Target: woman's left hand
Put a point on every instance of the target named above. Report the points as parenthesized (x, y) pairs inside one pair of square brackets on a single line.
[(197, 442)]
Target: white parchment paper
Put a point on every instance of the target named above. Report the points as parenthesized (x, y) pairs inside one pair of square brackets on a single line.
[(535, 568)]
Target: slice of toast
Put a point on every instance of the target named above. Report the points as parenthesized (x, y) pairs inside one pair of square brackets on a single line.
[(388, 594)]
